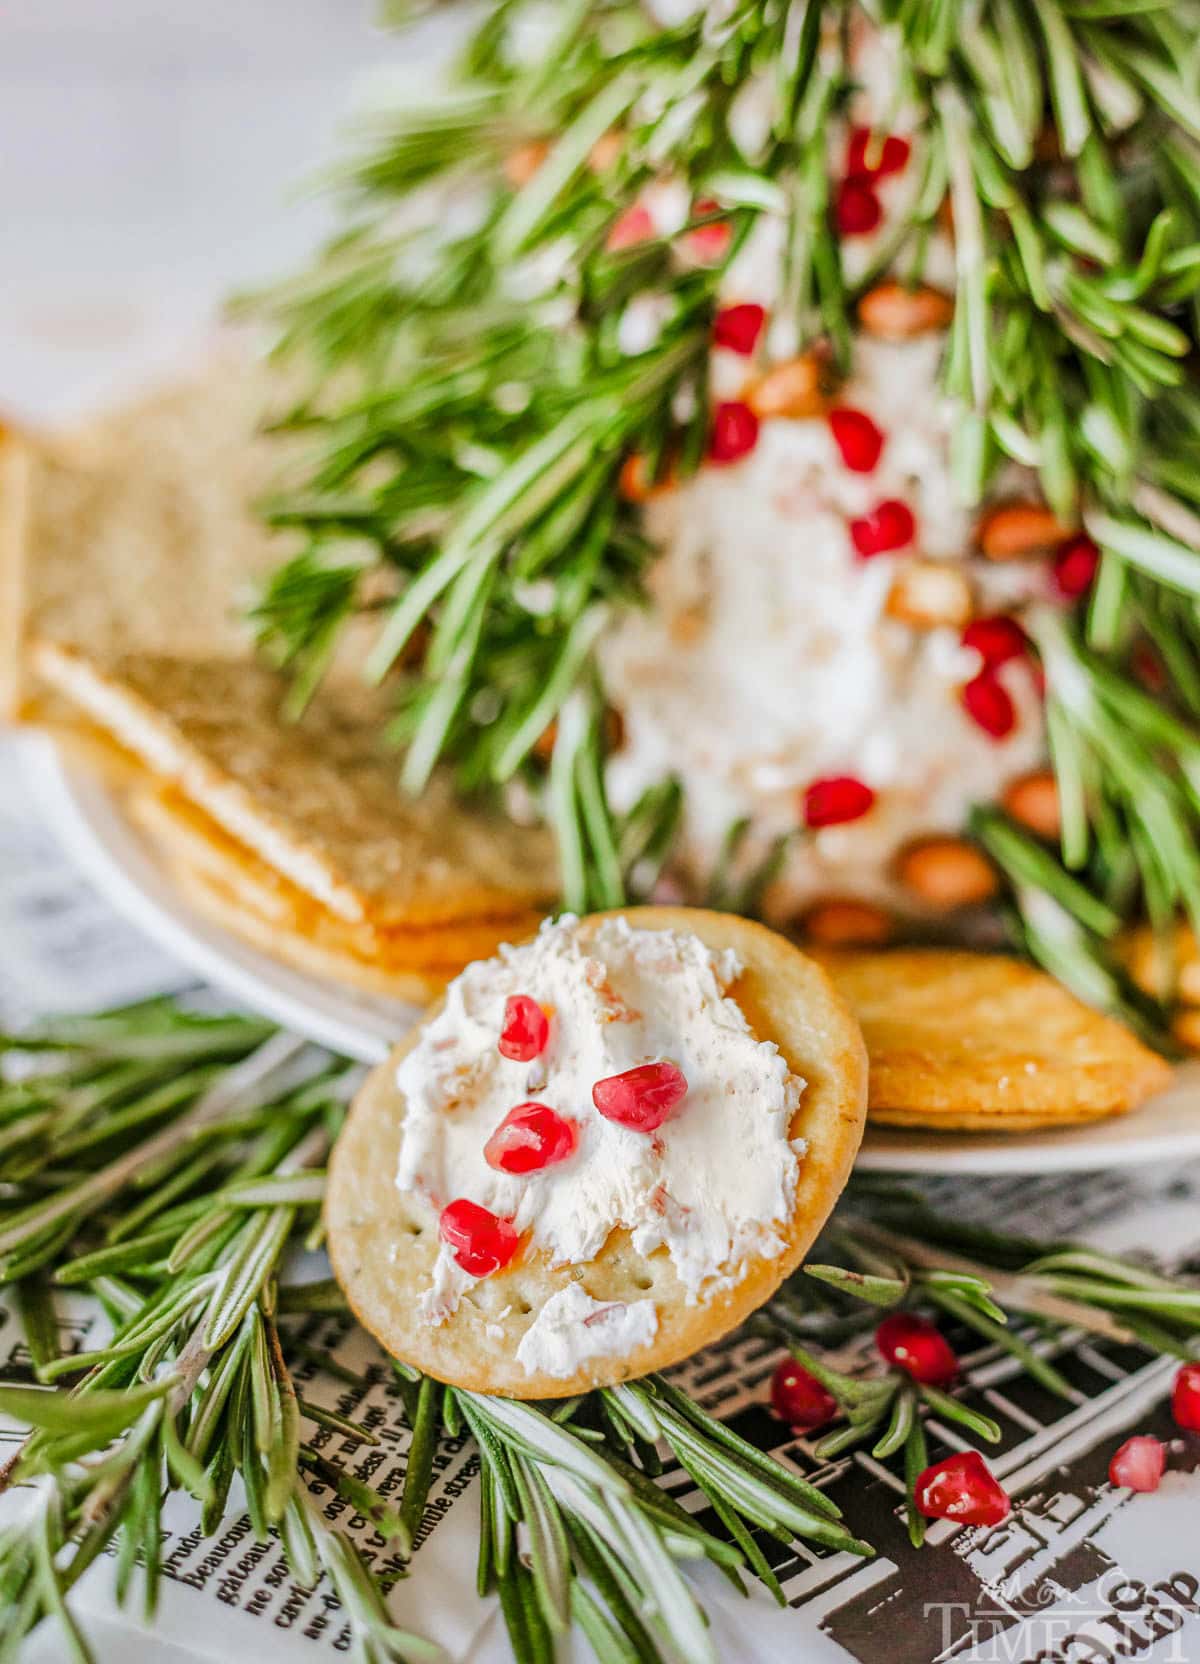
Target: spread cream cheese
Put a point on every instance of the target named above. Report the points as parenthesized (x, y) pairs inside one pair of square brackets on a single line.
[(768, 660), (714, 1185), (571, 1327)]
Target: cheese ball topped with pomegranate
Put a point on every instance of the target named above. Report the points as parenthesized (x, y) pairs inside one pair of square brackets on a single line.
[(837, 646)]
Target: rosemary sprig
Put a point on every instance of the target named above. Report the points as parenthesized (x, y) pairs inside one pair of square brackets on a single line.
[(604, 1539), (202, 1159), (491, 405), (901, 1255), (188, 1211), (472, 407), (1063, 1285), (176, 1212), (594, 1512)]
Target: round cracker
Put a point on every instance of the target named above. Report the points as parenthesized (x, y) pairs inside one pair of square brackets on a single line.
[(383, 1244), (975, 1042)]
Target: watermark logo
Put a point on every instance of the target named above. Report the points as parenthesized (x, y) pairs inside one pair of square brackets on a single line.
[(1115, 1619)]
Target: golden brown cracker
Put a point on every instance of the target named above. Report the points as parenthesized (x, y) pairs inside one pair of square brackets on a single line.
[(190, 841), (406, 984), (978, 1042), (316, 799), (137, 530), (384, 1244)]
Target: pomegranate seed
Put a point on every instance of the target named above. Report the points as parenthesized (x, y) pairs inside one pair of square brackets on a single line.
[(1139, 1463), (961, 1489), (1185, 1398), (857, 209), (889, 526), (1148, 667), (870, 157), (918, 1347), (481, 1242), (836, 800), (734, 432), (996, 639), (1075, 564), (988, 704), (635, 225), (526, 1029), (857, 437), (641, 1098), (530, 1137), (708, 242), (799, 1398), (737, 328)]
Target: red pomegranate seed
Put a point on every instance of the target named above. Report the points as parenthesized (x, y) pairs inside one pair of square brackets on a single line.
[(1148, 667), (734, 432), (1075, 564), (708, 242), (996, 639), (481, 1242), (1185, 1398), (530, 1137), (857, 437), (737, 328), (988, 704), (641, 1098), (1139, 1463), (918, 1347), (835, 800), (635, 225), (872, 156), (799, 1398), (889, 526), (857, 209), (961, 1489), (526, 1029)]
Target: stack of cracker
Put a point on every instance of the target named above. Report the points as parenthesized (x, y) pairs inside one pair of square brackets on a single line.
[(128, 552)]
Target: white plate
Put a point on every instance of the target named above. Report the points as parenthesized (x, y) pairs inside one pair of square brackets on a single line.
[(110, 850)]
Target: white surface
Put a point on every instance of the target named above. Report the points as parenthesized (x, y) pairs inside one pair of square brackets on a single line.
[(157, 157), (113, 854)]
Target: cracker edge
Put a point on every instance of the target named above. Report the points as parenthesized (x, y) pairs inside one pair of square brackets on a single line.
[(192, 845), (914, 1088), (154, 738), (416, 986), (361, 1207)]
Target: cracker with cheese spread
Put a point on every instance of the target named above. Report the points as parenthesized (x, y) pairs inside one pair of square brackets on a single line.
[(603, 1150)]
